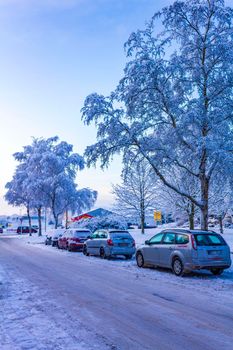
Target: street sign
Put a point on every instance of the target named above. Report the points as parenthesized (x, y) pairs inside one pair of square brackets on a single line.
[(157, 215)]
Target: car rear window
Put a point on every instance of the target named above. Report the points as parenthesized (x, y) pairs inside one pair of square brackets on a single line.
[(82, 233), (209, 240), (120, 235)]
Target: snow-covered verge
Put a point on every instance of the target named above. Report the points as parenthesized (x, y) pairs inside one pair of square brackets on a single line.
[(202, 280), (136, 233)]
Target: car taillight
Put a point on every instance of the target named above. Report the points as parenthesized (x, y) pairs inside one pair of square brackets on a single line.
[(109, 242), (194, 244)]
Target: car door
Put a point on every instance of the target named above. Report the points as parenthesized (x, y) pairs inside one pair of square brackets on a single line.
[(100, 241), (92, 244), (63, 239), (166, 248), (151, 249), (68, 237)]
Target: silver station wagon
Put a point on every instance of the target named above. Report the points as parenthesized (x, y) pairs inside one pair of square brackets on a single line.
[(108, 243), (185, 250)]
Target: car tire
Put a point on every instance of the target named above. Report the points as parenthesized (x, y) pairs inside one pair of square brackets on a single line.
[(102, 253), (216, 271), (85, 250), (178, 267), (128, 257), (140, 259), (68, 248)]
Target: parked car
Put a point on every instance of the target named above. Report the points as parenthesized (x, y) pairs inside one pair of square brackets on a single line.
[(228, 225), (108, 243), (73, 239), (185, 250), (25, 229), (53, 236)]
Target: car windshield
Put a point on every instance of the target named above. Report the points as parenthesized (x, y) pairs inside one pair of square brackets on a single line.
[(210, 239), (57, 233), (119, 234), (81, 233)]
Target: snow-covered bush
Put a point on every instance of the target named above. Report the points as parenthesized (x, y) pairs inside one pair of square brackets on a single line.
[(107, 222)]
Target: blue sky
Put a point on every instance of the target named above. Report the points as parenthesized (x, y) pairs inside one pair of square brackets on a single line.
[(53, 54)]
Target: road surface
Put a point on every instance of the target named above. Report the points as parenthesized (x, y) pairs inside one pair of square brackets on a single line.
[(57, 300)]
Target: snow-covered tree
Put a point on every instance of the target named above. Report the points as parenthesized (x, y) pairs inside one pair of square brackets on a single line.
[(175, 204), (17, 194), (137, 193), (221, 197), (174, 102), (49, 170)]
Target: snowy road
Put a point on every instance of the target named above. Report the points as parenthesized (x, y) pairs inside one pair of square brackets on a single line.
[(53, 300)]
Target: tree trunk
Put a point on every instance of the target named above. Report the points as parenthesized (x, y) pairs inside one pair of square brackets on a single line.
[(39, 221), (142, 223), (29, 221), (56, 220), (142, 216), (45, 219), (205, 201), (191, 216), (66, 218), (204, 217), (221, 223)]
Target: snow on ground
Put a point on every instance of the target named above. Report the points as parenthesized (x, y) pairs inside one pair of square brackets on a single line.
[(24, 318)]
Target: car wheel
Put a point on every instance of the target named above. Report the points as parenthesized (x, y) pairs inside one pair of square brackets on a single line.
[(177, 267), (102, 253), (68, 248), (140, 259), (216, 271), (128, 257), (85, 250)]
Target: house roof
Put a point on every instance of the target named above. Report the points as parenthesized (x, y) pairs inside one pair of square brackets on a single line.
[(100, 212)]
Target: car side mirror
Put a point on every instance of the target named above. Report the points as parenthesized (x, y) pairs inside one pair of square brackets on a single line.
[(147, 242)]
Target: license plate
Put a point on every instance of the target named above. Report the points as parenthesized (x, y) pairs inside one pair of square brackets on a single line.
[(123, 245), (214, 252)]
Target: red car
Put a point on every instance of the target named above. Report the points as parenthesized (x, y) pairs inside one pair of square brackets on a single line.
[(73, 239), (25, 229)]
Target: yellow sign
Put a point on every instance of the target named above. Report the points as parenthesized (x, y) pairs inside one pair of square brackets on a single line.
[(157, 215)]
